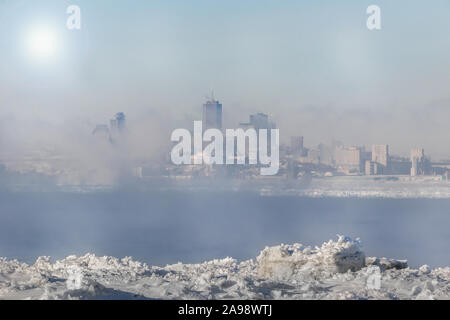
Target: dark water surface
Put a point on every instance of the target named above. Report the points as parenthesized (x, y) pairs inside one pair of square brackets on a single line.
[(161, 227)]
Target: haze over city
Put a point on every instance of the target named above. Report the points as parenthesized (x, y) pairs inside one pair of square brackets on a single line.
[(315, 69), (225, 149)]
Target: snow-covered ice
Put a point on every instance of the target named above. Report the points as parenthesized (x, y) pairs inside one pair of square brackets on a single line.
[(336, 270), (400, 187)]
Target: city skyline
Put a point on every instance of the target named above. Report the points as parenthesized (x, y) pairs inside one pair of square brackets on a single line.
[(337, 157), (211, 151)]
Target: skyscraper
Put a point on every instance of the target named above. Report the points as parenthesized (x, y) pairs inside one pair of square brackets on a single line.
[(260, 121), (417, 153), (212, 115), (118, 122), (418, 166), (380, 156), (297, 146)]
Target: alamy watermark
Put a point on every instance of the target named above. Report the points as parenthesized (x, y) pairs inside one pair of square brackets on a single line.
[(373, 21), (74, 20), (240, 147)]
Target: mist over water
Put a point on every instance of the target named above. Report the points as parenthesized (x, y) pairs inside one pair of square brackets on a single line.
[(161, 228)]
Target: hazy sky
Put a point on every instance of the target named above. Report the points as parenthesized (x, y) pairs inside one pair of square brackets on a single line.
[(312, 65)]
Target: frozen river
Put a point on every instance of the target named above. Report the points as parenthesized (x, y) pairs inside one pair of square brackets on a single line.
[(161, 227)]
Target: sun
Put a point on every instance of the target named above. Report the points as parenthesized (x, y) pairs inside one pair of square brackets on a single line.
[(42, 43)]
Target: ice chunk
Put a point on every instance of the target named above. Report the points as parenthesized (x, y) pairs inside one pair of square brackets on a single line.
[(425, 269), (283, 261), (386, 264)]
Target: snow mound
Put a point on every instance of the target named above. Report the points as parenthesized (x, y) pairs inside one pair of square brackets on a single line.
[(335, 270), (285, 261)]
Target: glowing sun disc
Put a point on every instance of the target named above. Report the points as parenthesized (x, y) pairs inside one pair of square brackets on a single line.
[(42, 43)]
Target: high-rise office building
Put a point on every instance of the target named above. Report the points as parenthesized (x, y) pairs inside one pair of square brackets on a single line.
[(212, 115), (380, 156), (348, 160), (118, 122), (297, 146), (260, 121), (417, 153), (418, 162)]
